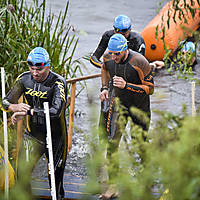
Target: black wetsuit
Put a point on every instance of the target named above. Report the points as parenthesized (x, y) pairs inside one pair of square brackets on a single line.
[(135, 43), (135, 70), (54, 91), (137, 73)]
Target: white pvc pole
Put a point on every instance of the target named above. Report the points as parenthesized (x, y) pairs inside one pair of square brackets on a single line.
[(49, 146), (5, 134), (193, 99)]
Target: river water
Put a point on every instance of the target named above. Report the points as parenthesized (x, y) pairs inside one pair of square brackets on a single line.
[(90, 20)]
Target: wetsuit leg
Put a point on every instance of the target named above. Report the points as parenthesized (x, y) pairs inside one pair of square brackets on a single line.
[(29, 154), (60, 155), (140, 122), (113, 145), (59, 173), (101, 170), (145, 126)]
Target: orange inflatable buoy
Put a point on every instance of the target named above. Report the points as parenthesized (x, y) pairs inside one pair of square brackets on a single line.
[(178, 30)]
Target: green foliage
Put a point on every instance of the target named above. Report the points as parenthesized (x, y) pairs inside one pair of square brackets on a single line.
[(179, 62), (128, 177), (24, 27), (176, 153), (169, 160), (21, 190), (182, 64)]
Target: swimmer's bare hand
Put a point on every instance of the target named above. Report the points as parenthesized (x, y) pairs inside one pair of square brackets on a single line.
[(17, 116), (119, 82), (104, 95), (21, 107)]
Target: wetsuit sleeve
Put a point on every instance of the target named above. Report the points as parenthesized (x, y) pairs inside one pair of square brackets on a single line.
[(136, 43), (58, 101), (141, 49), (140, 45), (95, 57), (13, 95), (147, 83), (105, 76)]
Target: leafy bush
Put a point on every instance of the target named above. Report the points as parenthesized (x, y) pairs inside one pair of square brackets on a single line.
[(168, 161)]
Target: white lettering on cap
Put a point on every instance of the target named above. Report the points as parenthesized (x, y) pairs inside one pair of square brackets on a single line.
[(120, 46)]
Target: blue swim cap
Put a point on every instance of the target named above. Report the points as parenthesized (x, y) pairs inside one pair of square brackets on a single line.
[(117, 43), (122, 22), (189, 46), (39, 55)]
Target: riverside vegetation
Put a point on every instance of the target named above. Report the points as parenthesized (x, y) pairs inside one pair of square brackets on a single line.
[(168, 164), (23, 27), (170, 157)]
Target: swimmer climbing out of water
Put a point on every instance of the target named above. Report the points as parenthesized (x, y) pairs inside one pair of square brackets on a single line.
[(132, 82), (187, 51), (39, 85), (122, 25)]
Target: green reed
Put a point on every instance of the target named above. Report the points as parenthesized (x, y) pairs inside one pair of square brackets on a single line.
[(24, 27)]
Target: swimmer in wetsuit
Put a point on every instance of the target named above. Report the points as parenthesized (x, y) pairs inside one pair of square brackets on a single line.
[(122, 25), (37, 86), (132, 83), (184, 56)]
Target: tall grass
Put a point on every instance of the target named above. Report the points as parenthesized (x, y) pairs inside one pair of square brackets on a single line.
[(23, 27)]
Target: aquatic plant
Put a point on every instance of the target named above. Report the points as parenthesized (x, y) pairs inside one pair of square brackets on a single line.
[(181, 63), (23, 27)]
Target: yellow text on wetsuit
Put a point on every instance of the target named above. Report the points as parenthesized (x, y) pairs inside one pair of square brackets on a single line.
[(62, 90), (39, 94)]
